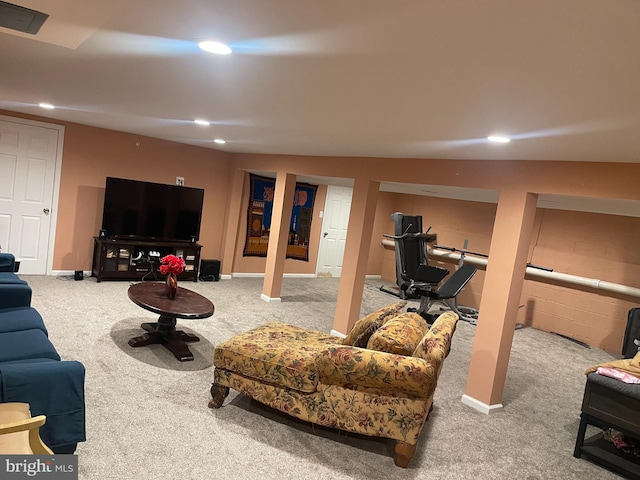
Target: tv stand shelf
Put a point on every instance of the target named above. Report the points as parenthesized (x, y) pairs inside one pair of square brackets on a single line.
[(114, 259)]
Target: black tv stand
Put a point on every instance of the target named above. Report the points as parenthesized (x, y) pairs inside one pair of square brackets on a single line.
[(114, 259)]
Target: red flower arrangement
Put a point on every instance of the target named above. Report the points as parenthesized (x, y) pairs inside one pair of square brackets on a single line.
[(171, 264)]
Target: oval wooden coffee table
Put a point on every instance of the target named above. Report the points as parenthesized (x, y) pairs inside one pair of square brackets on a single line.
[(152, 296)]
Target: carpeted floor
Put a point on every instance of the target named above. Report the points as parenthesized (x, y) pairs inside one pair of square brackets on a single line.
[(147, 414)]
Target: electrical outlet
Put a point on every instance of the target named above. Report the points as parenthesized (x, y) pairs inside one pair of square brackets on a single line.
[(180, 181)]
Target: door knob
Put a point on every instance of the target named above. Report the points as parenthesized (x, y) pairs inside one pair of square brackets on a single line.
[(324, 235), (46, 211)]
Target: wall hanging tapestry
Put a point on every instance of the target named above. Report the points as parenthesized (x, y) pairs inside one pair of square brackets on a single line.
[(259, 218)]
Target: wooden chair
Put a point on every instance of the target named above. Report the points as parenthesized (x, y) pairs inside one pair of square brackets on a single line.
[(19, 432)]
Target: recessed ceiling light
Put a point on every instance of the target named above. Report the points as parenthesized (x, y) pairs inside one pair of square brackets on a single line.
[(215, 47), (220, 141), (201, 122), (498, 139), (48, 106)]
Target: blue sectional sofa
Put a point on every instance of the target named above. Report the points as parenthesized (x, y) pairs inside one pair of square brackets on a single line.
[(7, 269), (31, 369)]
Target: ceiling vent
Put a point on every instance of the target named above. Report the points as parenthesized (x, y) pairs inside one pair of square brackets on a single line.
[(21, 19)]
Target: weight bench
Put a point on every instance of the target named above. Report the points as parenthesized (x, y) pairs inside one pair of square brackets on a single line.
[(427, 277)]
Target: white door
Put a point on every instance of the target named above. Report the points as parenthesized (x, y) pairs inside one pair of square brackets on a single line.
[(28, 156), (334, 231)]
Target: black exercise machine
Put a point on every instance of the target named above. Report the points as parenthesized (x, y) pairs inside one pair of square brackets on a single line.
[(410, 251), (428, 276), (415, 278), (448, 295), (464, 251)]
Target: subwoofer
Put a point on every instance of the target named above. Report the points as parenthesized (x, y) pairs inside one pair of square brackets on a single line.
[(209, 270)]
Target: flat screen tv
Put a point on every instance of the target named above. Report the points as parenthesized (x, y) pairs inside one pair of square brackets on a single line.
[(151, 211)]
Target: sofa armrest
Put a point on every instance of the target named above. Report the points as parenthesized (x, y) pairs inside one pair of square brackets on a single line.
[(51, 388), (345, 365), (7, 262), (14, 295)]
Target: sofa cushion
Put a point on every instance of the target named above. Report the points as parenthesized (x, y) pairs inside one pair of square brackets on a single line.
[(51, 388), (29, 361), (400, 334), (276, 353), (26, 344), (362, 339), (21, 318), (10, 277), (364, 328), (13, 295), (435, 345), (7, 262), (359, 368)]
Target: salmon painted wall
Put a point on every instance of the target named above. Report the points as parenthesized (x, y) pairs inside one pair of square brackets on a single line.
[(91, 154), (585, 244), (594, 245), (379, 259), (586, 179), (591, 245)]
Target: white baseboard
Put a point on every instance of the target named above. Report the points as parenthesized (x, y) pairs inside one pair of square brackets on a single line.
[(269, 299), (261, 275), (336, 333), (66, 273), (226, 277), (480, 406)]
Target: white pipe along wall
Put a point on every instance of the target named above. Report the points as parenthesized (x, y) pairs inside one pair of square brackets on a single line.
[(536, 272)]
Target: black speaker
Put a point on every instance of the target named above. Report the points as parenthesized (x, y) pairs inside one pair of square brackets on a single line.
[(78, 275), (209, 270)]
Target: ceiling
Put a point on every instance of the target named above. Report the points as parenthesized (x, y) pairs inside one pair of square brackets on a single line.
[(381, 78)]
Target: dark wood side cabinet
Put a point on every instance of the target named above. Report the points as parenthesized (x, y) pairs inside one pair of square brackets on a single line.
[(609, 403), (115, 259)]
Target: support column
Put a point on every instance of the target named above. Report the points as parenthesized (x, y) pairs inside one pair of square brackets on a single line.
[(356, 254), (234, 212), (500, 300), (278, 236)]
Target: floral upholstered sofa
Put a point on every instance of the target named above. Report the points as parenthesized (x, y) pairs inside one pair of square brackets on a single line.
[(378, 381)]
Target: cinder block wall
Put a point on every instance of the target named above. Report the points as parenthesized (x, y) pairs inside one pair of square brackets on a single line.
[(598, 246), (591, 245)]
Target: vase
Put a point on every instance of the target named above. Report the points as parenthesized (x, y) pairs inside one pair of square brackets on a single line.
[(172, 286)]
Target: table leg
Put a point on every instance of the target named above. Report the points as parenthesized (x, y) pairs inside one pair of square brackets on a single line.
[(164, 332)]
